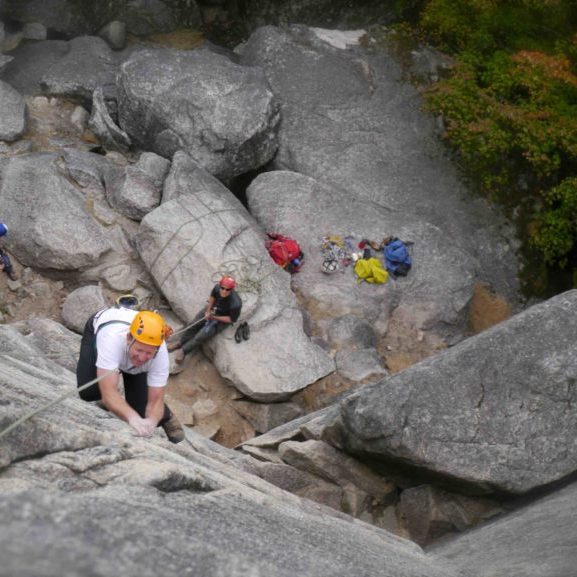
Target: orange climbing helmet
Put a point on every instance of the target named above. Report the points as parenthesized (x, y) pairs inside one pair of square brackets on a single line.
[(149, 328)]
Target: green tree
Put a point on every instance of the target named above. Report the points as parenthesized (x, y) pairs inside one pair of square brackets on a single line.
[(510, 107)]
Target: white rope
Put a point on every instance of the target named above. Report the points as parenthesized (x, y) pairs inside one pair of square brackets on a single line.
[(53, 402), (184, 329)]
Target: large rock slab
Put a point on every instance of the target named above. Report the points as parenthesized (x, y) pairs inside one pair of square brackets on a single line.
[(13, 117), (104, 126), (50, 227), (428, 513), (88, 63), (81, 304), (319, 458), (137, 189), (494, 413), (71, 473), (434, 295), (189, 242), (223, 115), (30, 61), (44, 344), (539, 540), (73, 69), (72, 18), (351, 121)]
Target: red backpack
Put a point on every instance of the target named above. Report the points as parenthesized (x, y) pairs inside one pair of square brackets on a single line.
[(285, 251)]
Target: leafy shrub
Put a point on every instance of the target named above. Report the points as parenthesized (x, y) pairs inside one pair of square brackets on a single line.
[(510, 106), (556, 231), (483, 26)]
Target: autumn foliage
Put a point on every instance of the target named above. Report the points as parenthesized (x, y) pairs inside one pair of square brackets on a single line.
[(510, 109)]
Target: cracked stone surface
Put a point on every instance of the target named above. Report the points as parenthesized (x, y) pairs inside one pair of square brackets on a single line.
[(496, 412), (82, 495)]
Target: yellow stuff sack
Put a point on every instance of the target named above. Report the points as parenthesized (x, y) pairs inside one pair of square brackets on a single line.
[(371, 270)]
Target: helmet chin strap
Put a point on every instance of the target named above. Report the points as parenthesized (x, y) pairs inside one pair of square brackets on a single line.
[(129, 343)]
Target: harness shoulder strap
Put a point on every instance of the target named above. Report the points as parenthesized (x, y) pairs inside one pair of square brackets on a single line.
[(110, 323)]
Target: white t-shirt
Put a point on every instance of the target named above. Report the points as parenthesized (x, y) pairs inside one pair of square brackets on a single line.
[(112, 347)]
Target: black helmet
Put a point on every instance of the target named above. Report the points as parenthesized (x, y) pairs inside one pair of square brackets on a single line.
[(128, 302)]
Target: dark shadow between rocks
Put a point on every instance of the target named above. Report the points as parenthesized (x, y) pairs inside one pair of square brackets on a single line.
[(175, 482), (240, 183)]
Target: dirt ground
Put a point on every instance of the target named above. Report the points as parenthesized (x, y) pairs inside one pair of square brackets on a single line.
[(31, 296), (203, 400)]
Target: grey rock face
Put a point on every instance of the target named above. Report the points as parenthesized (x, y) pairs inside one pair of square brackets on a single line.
[(54, 230), (188, 177), (538, 541), (13, 117), (434, 295), (64, 16), (57, 68), (103, 125), (318, 458), (87, 170), (34, 31), (88, 63), (80, 465), (136, 190), (495, 412), (264, 417), (46, 338), (74, 18), (30, 61), (26, 352), (175, 100), (114, 33), (349, 332), (80, 304), (360, 364), (428, 513), (351, 122)]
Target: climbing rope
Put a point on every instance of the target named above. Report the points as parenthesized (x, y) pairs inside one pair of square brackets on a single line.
[(246, 272), (184, 329), (53, 402)]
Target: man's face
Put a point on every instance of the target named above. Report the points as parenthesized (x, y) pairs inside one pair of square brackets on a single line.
[(224, 292), (140, 353)]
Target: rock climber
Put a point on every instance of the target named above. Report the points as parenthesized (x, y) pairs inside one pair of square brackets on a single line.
[(222, 309), (132, 342)]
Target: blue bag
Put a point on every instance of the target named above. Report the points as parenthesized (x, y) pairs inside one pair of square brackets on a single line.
[(397, 258)]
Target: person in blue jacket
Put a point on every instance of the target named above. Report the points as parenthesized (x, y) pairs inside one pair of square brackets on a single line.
[(5, 263)]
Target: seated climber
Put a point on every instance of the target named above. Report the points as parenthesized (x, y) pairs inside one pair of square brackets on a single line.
[(5, 263), (131, 342), (222, 309)]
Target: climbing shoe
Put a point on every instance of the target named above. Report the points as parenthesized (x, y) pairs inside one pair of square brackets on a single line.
[(242, 332), (173, 430)]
